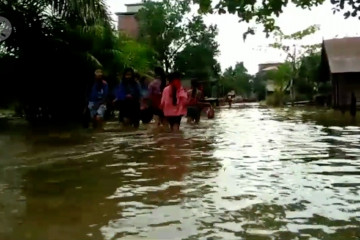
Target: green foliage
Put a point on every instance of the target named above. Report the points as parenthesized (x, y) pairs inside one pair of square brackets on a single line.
[(197, 59), (265, 12), (306, 83), (308, 75), (196, 62), (288, 43), (309, 68), (276, 99), (282, 76), (137, 55), (55, 48), (301, 59), (164, 27), (259, 86), (299, 35), (237, 79), (161, 27)]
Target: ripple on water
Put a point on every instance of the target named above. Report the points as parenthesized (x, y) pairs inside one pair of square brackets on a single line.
[(250, 173)]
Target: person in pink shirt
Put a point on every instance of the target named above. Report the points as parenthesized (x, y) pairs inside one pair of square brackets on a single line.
[(174, 101), (156, 88)]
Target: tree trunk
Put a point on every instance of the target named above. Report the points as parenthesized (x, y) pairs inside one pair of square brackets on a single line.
[(167, 65)]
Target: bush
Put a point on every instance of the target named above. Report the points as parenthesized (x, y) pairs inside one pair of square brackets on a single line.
[(305, 90), (302, 97), (277, 99)]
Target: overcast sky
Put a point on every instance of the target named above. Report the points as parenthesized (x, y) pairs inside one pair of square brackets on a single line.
[(254, 51)]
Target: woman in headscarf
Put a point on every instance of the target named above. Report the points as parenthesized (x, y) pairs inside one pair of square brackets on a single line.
[(97, 99), (174, 101), (146, 113), (156, 88), (128, 96)]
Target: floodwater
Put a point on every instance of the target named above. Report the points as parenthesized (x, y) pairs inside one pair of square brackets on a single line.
[(251, 173)]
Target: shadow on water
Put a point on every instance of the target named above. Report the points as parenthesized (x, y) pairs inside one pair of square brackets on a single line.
[(104, 180), (251, 173)]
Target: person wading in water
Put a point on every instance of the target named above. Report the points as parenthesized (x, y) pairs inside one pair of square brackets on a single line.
[(128, 96), (156, 89), (194, 108), (97, 100), (174, 101)]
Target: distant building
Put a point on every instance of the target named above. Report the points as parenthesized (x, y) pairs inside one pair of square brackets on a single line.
[(127, 21), (263, 69), (268, 66), (340, 64)]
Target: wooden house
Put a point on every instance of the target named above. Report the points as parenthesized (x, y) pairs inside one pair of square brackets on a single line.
[(340, 64)]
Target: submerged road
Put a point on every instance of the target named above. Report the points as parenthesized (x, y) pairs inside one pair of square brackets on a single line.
[(250, 173)]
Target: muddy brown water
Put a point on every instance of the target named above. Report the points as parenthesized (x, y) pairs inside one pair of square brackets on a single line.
[(250, 173)]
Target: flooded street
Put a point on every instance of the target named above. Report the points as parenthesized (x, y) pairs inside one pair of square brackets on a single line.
[(251, 173)]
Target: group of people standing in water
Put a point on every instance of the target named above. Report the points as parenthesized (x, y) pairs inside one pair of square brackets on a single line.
[(163, 99)]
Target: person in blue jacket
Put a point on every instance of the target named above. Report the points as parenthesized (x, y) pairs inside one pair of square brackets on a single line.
[(128, 95), (97, 99)]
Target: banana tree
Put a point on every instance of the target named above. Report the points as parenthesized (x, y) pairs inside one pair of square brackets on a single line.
[(282, 76)]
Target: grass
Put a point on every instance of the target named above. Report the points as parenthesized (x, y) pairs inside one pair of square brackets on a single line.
[(331, 117)]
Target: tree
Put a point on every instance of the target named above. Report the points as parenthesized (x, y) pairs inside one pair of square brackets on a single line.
[(259, 85), (164, 27), (55, 48), (288, 43), (308, 75), (135, 54), (197, 59), (265, 13), (237, 79), (282, 76)]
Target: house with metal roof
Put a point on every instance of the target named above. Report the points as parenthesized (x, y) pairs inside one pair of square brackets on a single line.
[(340, 64)]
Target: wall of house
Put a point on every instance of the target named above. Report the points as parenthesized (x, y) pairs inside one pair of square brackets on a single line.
[(129, 25), (343, 85), (134, 8)]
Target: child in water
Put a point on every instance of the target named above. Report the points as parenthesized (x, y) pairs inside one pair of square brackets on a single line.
[(174, 101)]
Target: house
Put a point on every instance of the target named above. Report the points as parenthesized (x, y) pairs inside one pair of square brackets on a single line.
[(127, 22), (340, 64), (263, 69), (268, 66)]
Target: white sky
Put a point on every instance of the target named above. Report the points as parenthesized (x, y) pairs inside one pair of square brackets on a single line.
[(254, 51)]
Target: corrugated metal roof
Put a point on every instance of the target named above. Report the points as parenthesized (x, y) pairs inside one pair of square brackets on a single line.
[(343, 54)]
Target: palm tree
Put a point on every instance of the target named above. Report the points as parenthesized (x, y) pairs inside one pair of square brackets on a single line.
[(52, 43)]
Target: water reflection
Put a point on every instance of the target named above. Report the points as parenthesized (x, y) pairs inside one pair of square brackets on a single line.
[(251, 173)]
